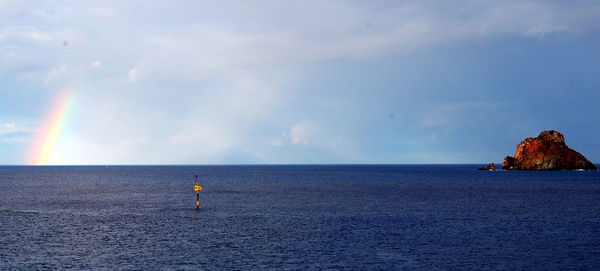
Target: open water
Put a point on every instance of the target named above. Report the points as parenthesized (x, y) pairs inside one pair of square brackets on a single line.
[(363, 217)]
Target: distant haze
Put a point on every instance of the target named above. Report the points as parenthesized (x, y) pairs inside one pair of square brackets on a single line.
[(222, 82)]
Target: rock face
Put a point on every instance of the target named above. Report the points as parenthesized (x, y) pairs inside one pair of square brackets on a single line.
[(491, 166), (548, 151)]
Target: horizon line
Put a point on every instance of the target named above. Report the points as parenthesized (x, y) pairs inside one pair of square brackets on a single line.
[(251, 164)]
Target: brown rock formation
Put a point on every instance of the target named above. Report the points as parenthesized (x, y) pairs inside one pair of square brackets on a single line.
[(548, 151), (491, 166)]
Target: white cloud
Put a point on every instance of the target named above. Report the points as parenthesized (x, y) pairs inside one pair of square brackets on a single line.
[(199, 78), (12, 127), (12, 132), (97, 64), (302, 133), (133, 75)]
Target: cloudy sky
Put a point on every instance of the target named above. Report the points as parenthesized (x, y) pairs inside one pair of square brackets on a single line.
[(221, 82)]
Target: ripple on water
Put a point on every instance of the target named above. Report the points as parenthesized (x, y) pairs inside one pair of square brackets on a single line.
[(300, 217)]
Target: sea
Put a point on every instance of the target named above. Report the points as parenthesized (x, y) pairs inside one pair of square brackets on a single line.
[(298, 217)]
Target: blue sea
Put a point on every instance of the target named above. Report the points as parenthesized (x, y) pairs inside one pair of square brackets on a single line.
[(332, 217)]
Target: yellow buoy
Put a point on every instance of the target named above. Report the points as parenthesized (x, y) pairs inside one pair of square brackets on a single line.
[(197, 188)]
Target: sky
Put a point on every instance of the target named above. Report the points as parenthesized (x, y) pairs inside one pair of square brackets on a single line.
[(294, 82)]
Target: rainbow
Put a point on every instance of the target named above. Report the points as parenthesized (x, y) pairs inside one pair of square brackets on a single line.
[(43, 148)]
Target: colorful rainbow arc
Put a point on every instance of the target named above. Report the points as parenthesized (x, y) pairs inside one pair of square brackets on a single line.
[(43, 149)]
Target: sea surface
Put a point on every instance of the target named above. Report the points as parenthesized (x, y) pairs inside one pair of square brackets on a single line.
[(350, 217)]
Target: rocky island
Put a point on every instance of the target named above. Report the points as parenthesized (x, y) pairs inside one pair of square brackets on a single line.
[(490, 166), (548, 151)]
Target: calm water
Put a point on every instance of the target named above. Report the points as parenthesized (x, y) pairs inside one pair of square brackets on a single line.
[(298, 217)]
